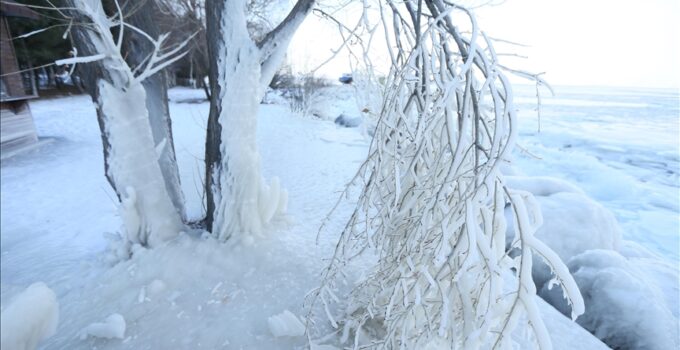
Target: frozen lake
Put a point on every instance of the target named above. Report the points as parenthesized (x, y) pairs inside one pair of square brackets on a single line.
[(621, 146)]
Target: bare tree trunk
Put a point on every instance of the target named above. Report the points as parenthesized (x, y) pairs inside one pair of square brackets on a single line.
[(213, 157), (238, 200)]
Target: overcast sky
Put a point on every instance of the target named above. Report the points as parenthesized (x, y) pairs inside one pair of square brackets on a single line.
[(576, 42)]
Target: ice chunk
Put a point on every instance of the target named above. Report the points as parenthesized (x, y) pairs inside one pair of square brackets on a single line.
[(31, 317), (112, 327), (155, 287), (286, 324)]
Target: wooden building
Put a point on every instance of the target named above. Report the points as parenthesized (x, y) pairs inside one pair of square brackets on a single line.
[(17, 129)]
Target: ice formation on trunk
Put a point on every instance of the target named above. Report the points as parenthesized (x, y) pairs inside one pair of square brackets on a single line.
[(243, 192), (244, 203), (148, 212)]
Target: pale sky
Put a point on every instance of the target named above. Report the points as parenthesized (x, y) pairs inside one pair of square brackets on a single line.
[(576, 42), (594, 42)]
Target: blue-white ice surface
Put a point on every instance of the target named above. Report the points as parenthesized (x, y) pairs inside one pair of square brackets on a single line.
[(620, 145)]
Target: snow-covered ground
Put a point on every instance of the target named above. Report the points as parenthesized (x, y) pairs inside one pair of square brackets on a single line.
[(620, 147)]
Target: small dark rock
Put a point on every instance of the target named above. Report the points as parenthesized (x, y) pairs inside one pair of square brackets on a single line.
[(347, 121)]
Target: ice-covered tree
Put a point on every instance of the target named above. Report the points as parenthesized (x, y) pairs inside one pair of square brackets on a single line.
[(239, 201), (123, 55), (431, 198)]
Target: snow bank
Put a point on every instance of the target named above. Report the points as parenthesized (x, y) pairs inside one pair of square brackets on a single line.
[(286, 324), (112, 327), (623, 308), (31, 317)]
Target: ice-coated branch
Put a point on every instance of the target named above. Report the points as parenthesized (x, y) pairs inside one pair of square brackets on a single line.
[(280, 36), (431, 200), (83, 59), (159, 60)]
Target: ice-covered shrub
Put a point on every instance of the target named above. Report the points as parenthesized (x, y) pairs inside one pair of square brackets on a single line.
[(430, 210), (30, 317), (301, 96)]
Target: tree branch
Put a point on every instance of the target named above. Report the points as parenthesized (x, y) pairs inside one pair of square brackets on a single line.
[(283, 33)]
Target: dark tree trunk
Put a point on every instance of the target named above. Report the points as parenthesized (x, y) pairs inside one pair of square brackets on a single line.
[(213, 10)]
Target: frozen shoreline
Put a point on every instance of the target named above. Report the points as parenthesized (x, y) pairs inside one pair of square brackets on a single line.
[(56, 205)]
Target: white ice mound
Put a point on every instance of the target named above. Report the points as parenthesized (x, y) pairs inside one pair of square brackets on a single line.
[(286, 324), (572, 222), (30, 317), (112, 327), (623, 308), (540, 185)]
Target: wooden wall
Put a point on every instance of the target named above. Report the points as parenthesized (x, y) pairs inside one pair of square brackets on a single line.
[(17, 130), (8, 62)]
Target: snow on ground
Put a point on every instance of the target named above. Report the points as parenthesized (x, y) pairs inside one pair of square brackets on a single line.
[(197, 293), (56, 204)]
